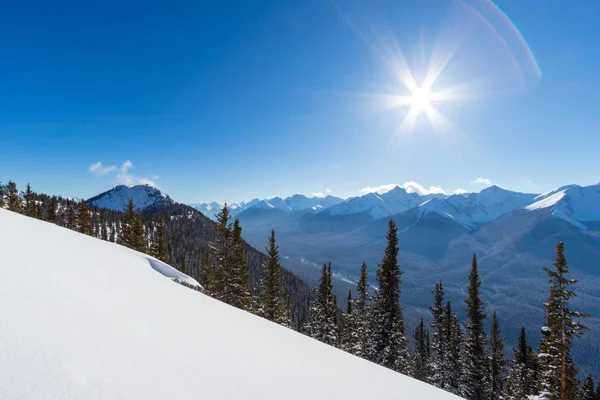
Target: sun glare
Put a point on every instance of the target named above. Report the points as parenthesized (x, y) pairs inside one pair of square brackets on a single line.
[(420, 99)]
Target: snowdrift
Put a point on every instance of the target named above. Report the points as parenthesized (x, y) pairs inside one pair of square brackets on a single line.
[(85, 319)]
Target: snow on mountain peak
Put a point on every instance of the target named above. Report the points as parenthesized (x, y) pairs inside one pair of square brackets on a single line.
[(143, 196)]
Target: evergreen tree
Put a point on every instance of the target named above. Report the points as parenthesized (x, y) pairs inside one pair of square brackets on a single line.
[(362, 310), (206, 275), (52, 209), (497, 360), (238, 280), (103, 230), (598, 391), (1, 196), (14, 202), (272, 305), (558, 369), (111, 236), (453, 344), (85, 219), (159, 246), (587, 390), (221, 251), (126, 236), (475, 376), (322, 324), (521, 381), (39, 211), (422, 368), (29, 197), (389, 342), (71, 217), (349, 334), (438, 340), (138, 235)]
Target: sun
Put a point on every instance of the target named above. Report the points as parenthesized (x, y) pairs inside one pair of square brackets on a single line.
[(421, 98)]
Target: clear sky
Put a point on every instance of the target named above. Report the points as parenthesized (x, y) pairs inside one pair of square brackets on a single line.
[(232, 100)]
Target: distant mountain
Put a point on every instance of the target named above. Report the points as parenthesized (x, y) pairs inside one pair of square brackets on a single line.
[(297, 202), (143, 196)]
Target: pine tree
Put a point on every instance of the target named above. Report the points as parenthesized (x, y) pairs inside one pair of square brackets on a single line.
[(85, 219), (126, 236), (71, 222), (422, 367), (362, 310), (475, 376), (497, 360), (521, 381), (587, 390), (349, 332), (238, 280), (206, 275), (103, 230), (438, 342), (389, 341), (138, 234), (29, 197), (322, 321), (52, 209), (159, 247), (221, 251), (1, 196), (39, 211), (14, 202), (598, 391), (453, 343), (559, 370), (272, 305)]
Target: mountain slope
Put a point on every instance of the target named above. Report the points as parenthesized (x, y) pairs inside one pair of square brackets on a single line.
[(83, 318), (143, 196)]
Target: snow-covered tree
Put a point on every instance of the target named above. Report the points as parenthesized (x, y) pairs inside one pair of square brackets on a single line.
[(522, 379), (421, 365), (476, 385), (438, 342), (389, 342), (497, 361), (322, 317), (271, 302), (453, 343), (558, 369), (587, 389)]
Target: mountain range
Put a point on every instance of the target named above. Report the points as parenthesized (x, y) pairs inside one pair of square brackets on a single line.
[(513, 234)]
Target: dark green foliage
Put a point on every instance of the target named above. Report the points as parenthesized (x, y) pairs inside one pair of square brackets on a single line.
[(272, 305), (132, 229), (159, 245), (453, 342), (438, 340), (71, 217), (52, 210), (85, 219), (389, 342), (29, 197), (558, 369), (1, 196), (238, 281), (522, 379), (322, 322), (206, 275), (476, 384), (497, 360), (14, 202), (587, 389), (422, 368)]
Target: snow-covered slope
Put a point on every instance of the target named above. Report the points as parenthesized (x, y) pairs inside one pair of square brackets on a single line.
[(85, 319), (143, 196), (573, 203)]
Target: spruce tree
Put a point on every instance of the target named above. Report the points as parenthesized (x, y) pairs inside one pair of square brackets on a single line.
[(71, 217), (453, 344), (206, 275), (362, 310), (221, 250), (272, 305), (52, 210), (350, 328), (497, 360), (138, 234), (598, 391), (85, 219), (14, 202), (238, 280), (29, 197), (438, 342), (322, 320), (389, 341), (126, 235), (475, 376), (1, 196), (422, 367), (521, 381), (587, 389), (558, 369), (159, 247), (103, 231), (39, 211)]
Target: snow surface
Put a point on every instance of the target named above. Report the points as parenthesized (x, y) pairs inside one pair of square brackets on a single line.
[(572, 203), (143, 196), (81, 318)]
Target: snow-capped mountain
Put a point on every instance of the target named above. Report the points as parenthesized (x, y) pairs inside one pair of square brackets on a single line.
[(88, 319), (573, 203), (381, 205), (297, 202), (143, 196), (473, 209)]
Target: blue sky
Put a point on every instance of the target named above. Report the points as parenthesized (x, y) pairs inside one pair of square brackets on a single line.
[(237, 100)]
